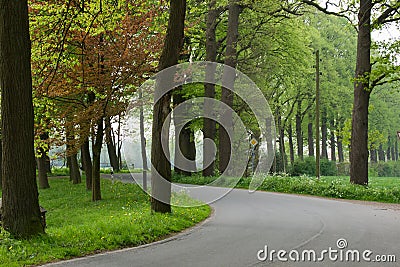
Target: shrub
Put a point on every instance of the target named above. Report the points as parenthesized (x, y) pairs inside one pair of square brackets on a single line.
[(307, 167), (385, 169)]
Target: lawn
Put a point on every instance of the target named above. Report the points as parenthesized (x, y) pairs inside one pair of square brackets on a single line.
[(381, 189), (77, 226)]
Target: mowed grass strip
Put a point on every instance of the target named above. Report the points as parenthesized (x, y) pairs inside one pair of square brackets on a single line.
[(76, 226), (380, 189)]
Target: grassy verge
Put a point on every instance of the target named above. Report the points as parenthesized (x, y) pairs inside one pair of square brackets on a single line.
[(381, 189), (76, 226), (64, 171)]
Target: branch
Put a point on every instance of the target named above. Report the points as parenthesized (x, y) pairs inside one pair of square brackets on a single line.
[(390, 11), (325, 9)]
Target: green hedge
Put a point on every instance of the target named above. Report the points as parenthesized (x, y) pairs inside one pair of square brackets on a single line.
[(307, 167)]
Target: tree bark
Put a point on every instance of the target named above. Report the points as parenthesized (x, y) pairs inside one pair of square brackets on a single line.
[(381, 154), (388, 150), (291, 146), (396, 149), (299, 133), (96, 150), (161, 167), (20, 205), (74, 173), (374, 157), (184, 144), (359, 133), (209, 129), (111, 147), (324, 133), (310, 137), (87, 163), (143, 142), (41, 163), (224, 145), (333, 141), (340, 149)]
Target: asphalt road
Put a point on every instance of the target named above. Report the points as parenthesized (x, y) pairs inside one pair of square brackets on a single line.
[(244, 223)]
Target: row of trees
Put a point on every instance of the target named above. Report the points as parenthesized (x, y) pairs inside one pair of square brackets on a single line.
[(89, 57)]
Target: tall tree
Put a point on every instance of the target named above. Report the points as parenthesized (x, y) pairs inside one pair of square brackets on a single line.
[(20, 209), (384, 12), (161, 191), (209, 129), (224, 146)]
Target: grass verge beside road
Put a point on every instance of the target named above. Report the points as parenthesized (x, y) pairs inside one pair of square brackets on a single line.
[(76, 226), (380, 189)]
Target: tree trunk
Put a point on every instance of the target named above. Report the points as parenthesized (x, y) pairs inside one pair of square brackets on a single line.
[(72, 161), (324, 133), (374, 157), (270, 144), (224, 145), (161, 167), (388, 151), (310, 137), (396, 149), (143, 142), (291, 146), (282, 149), (87, 163), (359, 133), (185, 148), (381, 154), (41, 163), (209, 129), (299, 133), (392, 151), (333, 142), (111, 148), (96, 150), (340, 149), (1, 159), (20, 205)]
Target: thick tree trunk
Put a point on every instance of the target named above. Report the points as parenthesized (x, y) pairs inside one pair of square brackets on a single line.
[(41, 163), (96, 150), (74, 170), (185, 148), (333, 141), (299, 133), (340, 149), (143, 142), (209, 129), (1, 159), (291, 146), (87, 163), (324, 133), (388, 151), (20, 205), (74, 173), (310, 137), (359, 133), (374, 157), (224, 145), (392, 151), (381, 154), (161, 167), (269, 140), (111, 148)]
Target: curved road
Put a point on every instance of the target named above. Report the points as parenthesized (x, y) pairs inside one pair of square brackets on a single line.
[(244, 223)]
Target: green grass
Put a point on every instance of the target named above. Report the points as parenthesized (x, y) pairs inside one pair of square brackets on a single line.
[(64, 171), (381, 189), (76, 226)]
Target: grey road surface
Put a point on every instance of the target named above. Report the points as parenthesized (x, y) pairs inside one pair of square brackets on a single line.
[(244, 224)]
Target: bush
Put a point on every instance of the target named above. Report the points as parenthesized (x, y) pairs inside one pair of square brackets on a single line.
[(307, 167), (385, 169)]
